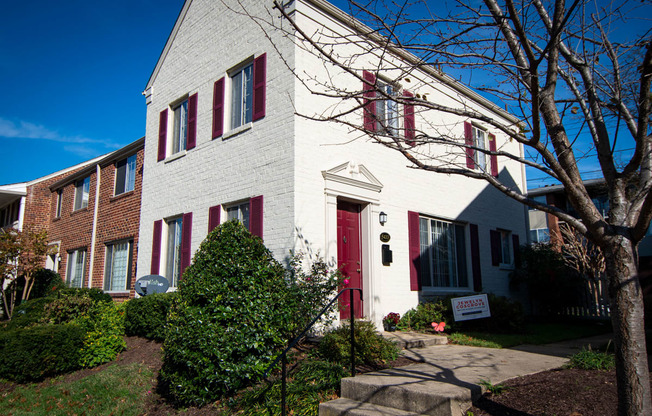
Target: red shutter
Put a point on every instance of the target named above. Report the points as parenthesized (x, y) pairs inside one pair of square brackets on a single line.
[(259, 84), (517, 250), (256, 216), (191, 140), (214, 217), (408, 110), (475, 258), (468, 139), (186, 235), (414, 244), (369, 103), (156, 247), (494, 158), (218, 108), (162, 134), (496, 252)]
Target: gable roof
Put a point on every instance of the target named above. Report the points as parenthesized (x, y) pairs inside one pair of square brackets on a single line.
[(363, 30)]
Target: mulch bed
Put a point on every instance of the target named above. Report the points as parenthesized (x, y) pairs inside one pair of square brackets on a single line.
[(561, 392)]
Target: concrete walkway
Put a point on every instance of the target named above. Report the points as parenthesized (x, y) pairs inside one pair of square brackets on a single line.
[(446, 382)]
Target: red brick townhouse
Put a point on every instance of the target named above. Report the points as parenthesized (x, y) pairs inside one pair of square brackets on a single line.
[(94, 220)]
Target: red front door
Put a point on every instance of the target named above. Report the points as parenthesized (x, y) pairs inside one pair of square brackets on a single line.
[(349, 255)]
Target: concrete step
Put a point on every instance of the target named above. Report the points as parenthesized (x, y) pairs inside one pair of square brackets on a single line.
[(348, 407), (419, 392), (409, 340)]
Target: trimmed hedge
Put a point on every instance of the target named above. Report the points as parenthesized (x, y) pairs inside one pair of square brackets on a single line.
[(147, 316), (370, 347), (31, 354)]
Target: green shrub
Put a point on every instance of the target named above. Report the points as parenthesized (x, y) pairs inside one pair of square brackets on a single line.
[(73, 303), (146, 316), (96, 295), (587, 359), (46, 282), (29, 313), (29, 354), (422, 317), (370, 347), (230, 318), (104, 326)]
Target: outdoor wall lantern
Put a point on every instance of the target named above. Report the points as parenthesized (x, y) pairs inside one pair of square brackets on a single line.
[(382, 218)]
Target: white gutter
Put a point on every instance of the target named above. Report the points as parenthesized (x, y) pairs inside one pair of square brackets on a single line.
[(21, 213), (93, 234)]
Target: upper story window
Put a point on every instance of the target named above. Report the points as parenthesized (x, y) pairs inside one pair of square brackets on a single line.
[(239, 212), (480, 142), (443, 254), (57, 214), (125, 175), (388, 117), (540, 235), (82, 188), (242, 96), (540, 199), (180, 127), (502, 246)]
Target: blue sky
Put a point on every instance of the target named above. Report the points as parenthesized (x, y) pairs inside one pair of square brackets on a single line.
[(71, 76)]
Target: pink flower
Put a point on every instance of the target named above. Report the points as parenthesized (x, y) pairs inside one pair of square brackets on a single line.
[(439, 327), (346, 282)]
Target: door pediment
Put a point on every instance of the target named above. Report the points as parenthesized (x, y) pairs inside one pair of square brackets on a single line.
[(351, 174)]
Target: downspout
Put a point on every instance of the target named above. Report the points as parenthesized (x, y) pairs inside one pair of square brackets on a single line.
[(21, 212), (93, 234)]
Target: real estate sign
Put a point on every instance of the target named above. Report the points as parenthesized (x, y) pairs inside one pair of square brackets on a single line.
[(470, 307)]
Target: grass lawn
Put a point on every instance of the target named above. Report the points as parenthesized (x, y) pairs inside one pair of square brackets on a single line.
[(536, 333), (116, 390)]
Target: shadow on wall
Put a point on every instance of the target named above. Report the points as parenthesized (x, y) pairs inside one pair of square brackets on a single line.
[(466, 263)]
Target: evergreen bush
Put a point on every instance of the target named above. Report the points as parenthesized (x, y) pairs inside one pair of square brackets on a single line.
[(30, 354), (422, 317), (146, 316), (104, 327), (230, 318)]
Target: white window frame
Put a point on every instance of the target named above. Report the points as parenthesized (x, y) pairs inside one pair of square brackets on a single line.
[(59, 206), (179, 136), (540, 235), (172, 260), (110, 274), (457, 272), (388, 111), (241, 93), (129, 182), (240, 211), (480, 141), (75, 274), (82, 191)]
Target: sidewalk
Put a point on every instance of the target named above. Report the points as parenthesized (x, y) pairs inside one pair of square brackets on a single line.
[(446, 382)]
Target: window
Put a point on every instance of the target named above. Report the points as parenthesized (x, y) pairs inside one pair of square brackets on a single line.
[(125, 175), (59, 203), (76, 266), (501, 247), (82, 187), (242, 96), (443, 254), (239, 212), (180, 128), (387, 111), (539, 235), (540, 199), (173, 266), (480, 142), (117, 266)]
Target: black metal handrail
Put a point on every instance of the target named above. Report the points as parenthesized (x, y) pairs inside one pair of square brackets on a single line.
[(283, 356)]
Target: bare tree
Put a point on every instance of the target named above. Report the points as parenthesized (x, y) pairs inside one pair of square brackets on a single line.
[(558, 68)]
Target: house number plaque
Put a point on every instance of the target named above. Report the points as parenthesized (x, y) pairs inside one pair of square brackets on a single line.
[(385, 237)]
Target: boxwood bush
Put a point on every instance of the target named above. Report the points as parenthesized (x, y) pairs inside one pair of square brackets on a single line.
[(104, 327), (230, 318), (146, 316), (30, 354), (422, 317)]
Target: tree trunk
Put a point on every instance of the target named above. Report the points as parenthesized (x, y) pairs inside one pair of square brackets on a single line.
[(632, 374)]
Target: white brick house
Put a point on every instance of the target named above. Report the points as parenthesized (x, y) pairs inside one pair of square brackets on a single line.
[(224, 140)]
